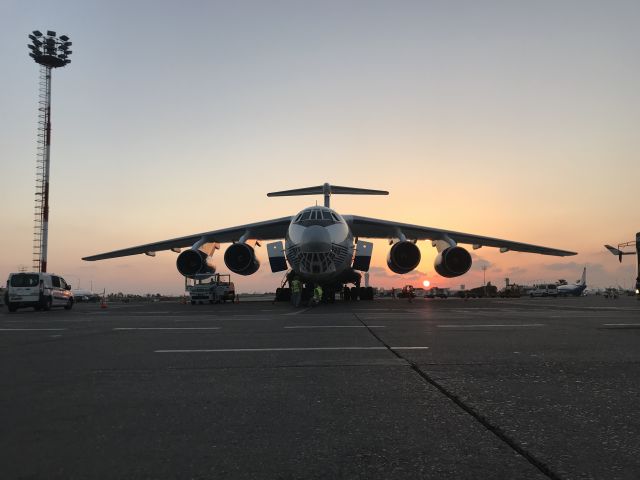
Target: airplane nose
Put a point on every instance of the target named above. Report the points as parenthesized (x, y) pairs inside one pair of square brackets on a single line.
[(315, 239)]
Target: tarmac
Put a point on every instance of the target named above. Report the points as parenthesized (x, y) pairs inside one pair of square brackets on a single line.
[(385, 389)]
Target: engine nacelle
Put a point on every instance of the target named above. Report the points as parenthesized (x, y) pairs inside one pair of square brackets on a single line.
[(195, 262), (452, 262), (240, 258), (403, 257)]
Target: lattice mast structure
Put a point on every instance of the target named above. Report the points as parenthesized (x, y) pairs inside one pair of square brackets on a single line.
[(49, 51)]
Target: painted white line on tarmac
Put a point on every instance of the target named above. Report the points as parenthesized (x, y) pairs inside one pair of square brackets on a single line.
[(167, 328), (494, 325), (366, 310), (621, 324), (409, 348), (337, 326), (298, 312), (31, 329), (102, 312), (575, 307), (286, 349)]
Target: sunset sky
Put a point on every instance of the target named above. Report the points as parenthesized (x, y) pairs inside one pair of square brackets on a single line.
[(511, 119)]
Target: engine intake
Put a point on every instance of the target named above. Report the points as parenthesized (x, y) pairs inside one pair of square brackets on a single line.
[(403, 257), (194, 262), (240, 258), (452, 262)]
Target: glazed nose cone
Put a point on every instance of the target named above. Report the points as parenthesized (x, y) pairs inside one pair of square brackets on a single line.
[(315, 239)]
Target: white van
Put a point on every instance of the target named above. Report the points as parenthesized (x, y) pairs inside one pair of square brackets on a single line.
[(38, 290), (544, 290)]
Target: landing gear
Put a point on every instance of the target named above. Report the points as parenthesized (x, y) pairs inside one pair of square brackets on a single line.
[(355, 293), (283, 294)]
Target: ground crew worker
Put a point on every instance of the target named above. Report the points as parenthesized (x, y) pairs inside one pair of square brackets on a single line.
[(296, 291), (317, 295)]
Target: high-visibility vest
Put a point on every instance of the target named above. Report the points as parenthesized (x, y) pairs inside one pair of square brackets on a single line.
[(295, 285), (317, 292)]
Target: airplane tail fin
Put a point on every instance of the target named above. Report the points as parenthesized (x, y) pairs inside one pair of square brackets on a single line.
[(327, 190), (583, 280)]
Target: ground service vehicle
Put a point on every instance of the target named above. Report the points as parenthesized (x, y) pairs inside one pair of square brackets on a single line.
[(218, 289), (436, 292), (407, 292), (544, 290), (510, 291), (488, 290), (38, 290)]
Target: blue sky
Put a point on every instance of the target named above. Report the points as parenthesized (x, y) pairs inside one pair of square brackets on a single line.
[(509, 119)]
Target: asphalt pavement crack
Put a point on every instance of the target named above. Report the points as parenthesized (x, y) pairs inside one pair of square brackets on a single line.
[(494, 429)]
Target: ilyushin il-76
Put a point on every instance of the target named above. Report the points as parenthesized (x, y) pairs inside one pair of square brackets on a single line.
[(324, 247)]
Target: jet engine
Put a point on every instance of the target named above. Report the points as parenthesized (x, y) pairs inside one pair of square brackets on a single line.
[(195, 262), (452, 262), (240, 258), (403, 257)]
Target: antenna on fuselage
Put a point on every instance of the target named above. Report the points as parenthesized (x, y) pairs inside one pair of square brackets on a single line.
[(327, 190)]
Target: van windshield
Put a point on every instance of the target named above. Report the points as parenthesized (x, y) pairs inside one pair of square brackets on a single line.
[(24, 280)]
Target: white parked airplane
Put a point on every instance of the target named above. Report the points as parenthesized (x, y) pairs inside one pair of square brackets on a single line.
[(324, 247), (574, 289)]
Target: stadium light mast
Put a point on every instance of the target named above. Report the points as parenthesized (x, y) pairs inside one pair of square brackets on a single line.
[(49, 51)]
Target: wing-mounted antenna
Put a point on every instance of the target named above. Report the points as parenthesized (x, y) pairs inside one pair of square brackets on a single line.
[(327, 190)]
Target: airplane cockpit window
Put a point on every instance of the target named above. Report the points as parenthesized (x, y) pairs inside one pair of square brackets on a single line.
[(317, 216)]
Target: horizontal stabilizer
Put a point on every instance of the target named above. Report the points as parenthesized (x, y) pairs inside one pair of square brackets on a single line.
[(327, 190), (615, 251), (618, 252), (333, 189)]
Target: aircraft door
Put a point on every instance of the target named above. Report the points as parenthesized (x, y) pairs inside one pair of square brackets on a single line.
[(362, 260), (277, 260)]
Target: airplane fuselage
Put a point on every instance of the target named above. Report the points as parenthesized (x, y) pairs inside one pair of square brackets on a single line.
[(575, 290), (319, 245)]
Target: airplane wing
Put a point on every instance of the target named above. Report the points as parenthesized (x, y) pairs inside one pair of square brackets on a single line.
[(375, 228), (267, 230)]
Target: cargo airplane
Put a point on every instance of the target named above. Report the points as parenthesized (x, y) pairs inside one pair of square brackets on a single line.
[(323, 247)]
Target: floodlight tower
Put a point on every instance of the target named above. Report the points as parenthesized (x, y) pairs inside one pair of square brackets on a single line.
[(49, 51)]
